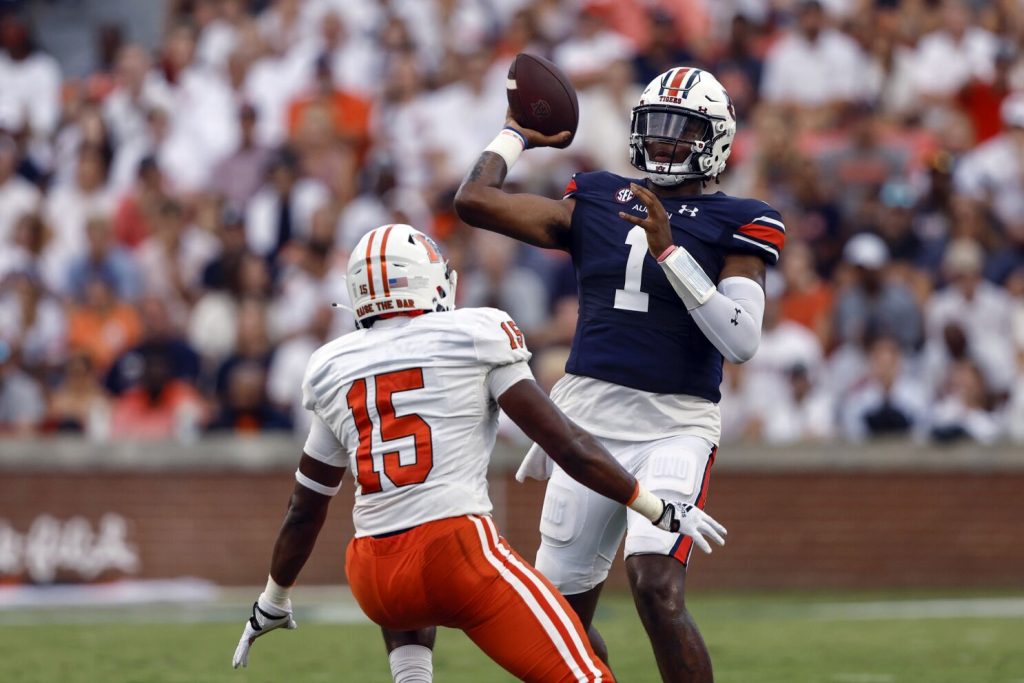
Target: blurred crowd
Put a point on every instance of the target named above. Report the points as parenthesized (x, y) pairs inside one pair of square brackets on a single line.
[(175, 226)]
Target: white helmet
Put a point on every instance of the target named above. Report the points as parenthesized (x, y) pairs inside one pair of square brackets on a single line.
[(683, 106), (396, 269)]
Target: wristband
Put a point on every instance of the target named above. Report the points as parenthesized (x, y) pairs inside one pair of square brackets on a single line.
[(646, 503), (508, 144), (276, 594), (668, 252)]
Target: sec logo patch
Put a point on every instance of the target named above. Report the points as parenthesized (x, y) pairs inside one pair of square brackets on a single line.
[(623, 195)]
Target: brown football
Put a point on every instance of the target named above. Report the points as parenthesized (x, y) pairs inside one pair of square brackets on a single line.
[(541, 96)]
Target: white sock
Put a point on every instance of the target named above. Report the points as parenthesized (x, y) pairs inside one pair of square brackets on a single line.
[(412, 664)]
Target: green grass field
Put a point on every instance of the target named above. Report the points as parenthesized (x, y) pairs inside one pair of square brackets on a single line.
[(778, 638)]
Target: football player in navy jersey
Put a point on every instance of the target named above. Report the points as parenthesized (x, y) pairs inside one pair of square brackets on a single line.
[(671, 281)]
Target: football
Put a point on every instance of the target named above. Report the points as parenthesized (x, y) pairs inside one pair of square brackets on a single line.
[(541, 97)]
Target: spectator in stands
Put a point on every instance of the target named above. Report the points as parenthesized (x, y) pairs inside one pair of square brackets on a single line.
[(101, 325), (814, 67), (608, 104), (889, 400), (246, 409), (105, 259), (80, 403), (139, 89), (870, 305), (26, 252), (591, 48), (981, 314), (500, 282), (33, 322), (17, 195), (69, 207), (891, 60), (807, 298), (240, 175), (993, 173), (171, 258), (316, 279), (957, 50), (478, 89), (964, 408), (281, 211), (346, 114), (22, 405), (982, 99), (252, 345), (29, 80), (138, 206), (781, 396), (290, 361), (162, 333), (159, 406)]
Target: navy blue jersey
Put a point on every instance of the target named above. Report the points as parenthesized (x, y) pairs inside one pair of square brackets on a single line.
[(633, 328)]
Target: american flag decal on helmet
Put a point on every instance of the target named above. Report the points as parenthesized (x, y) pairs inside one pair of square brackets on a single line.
[(678, 82)]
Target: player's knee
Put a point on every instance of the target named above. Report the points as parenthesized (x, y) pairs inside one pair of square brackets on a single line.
[(657, 585)]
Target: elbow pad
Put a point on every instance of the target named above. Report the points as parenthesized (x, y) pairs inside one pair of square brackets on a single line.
[(731, 318)]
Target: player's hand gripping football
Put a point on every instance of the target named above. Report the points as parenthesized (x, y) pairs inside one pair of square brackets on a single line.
[(684, 518), (265, 618), (534, 138), (656, 224)]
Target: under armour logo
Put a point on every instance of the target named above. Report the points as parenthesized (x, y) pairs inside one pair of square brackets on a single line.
[(736, 319), (702, 109), (690, 211)]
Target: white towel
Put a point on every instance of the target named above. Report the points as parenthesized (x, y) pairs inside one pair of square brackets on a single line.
[(536, 465)]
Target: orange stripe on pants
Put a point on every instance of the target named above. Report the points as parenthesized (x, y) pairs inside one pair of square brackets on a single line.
[(459, 573)]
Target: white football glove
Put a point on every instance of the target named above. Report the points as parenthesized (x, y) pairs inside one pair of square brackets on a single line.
[(684, 518), (265, 618)]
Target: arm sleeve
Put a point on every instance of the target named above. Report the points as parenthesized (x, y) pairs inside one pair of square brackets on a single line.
[(501, 377), (731, 318), (323, 445)]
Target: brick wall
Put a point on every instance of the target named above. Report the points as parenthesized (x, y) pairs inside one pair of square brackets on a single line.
[(787, 529)]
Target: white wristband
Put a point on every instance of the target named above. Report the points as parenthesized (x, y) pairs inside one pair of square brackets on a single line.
[(647, 504), (275, 594), (508, 144)]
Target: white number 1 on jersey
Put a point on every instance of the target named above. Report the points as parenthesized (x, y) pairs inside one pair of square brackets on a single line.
[(630, 298)]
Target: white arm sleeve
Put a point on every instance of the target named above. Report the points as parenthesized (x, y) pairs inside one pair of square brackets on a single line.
[(731, 318)]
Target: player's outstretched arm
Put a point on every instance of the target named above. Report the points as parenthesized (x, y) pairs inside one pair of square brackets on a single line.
[(530, 218), (307, 511), (584, 459)]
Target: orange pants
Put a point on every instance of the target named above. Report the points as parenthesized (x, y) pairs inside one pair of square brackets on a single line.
[(460, 573)]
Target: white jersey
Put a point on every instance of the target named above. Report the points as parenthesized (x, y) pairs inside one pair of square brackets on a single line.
[(411, 404)]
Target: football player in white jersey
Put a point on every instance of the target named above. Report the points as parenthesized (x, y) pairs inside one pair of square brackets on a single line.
[(410, 402)]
